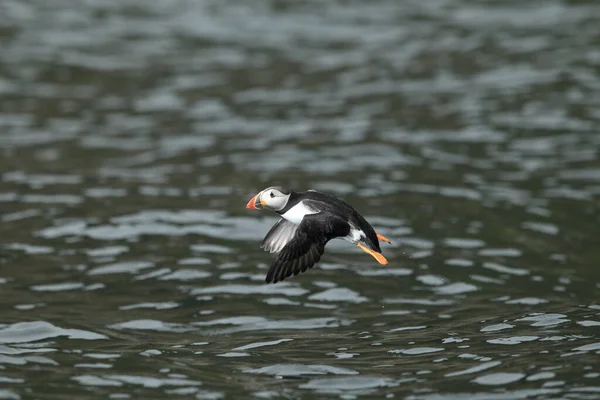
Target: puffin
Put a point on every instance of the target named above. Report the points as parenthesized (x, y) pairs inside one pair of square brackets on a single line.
[(309, 220)]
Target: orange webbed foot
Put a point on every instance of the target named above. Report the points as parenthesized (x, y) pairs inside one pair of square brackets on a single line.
[(383, 238), (378, 256)]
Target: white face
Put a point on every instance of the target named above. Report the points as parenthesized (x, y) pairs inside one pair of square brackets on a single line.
[(273, 198)]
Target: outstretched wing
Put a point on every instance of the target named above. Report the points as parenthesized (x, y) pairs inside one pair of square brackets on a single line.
[(307, 246), (279, 235)]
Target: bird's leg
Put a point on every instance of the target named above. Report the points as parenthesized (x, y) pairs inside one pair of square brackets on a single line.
[(383, 238), (378, 256)]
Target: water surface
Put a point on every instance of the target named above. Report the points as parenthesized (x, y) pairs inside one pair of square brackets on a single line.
[(132, 134)]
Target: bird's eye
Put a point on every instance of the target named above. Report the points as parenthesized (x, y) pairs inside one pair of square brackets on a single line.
[(272, 195)]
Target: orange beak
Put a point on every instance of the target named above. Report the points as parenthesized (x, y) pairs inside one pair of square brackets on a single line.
[(255, 203)]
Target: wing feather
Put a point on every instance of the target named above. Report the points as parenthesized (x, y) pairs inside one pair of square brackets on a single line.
[(298, 256), (307, 245), (279, 235)]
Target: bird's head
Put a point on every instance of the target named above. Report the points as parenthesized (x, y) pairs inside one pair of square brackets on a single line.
[(273, 198)]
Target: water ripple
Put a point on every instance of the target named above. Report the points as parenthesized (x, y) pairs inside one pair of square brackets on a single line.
[(132, 136), (296, 370), (24, 332), (500, 378)]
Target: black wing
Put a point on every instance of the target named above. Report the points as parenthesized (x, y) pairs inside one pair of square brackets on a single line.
[(307, 246)]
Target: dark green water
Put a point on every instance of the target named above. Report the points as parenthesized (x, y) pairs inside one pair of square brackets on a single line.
[(132, 134)]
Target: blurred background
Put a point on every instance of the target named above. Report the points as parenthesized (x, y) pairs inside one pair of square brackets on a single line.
[(132, 134)]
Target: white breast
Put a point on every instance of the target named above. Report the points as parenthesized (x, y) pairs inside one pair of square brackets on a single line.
[(296, 213)]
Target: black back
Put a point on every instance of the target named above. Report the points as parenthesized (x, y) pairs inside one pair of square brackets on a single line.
[(320, 201)]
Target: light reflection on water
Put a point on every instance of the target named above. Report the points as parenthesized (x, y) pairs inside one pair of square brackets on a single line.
[(132, 135)]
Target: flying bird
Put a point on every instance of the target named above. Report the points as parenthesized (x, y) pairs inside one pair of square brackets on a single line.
[(308, 221)]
